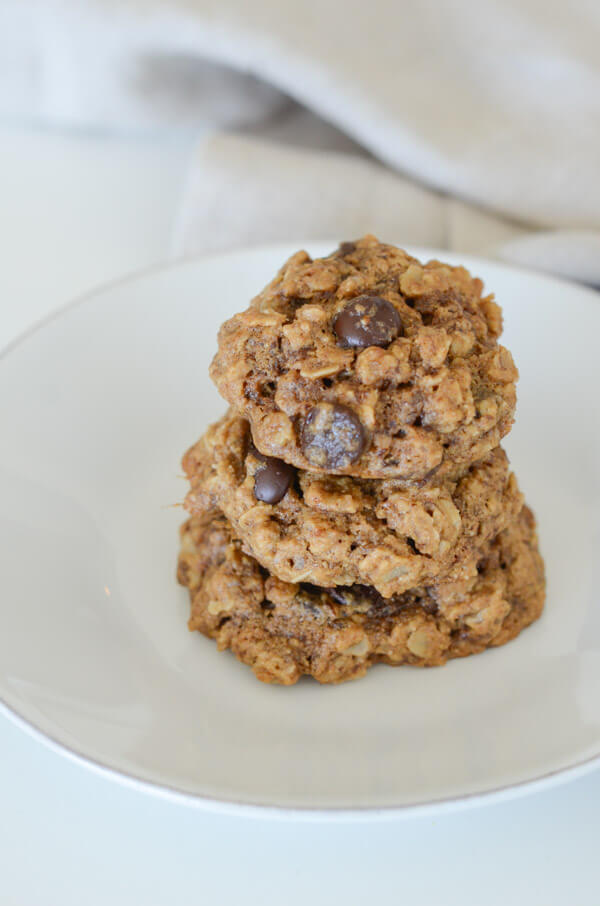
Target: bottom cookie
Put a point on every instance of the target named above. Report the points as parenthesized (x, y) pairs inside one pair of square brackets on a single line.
[(284, 631)]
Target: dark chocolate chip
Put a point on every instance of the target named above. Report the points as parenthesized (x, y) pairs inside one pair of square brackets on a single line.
[(346, 248), (367, 321), (332, 436), (272, 480)]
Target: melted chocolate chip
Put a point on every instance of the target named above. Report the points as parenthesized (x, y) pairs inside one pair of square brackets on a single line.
[(360, 596), (332, 436), (367, 321), (351, 595), (272, 479)]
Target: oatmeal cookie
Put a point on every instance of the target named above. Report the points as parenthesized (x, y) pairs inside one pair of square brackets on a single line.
[(285, 630), (371, 364), (336, 530)]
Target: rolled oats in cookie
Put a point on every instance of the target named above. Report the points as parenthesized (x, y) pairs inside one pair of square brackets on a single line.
[(284, 630), (335, 530), (355, 506), (369, 363)]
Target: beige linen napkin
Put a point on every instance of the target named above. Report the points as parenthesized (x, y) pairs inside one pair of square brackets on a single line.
[(496, 104), (242, 191)]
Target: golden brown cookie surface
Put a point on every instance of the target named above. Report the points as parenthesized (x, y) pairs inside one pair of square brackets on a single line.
[(336, 530), (285, 630), (369, 363)]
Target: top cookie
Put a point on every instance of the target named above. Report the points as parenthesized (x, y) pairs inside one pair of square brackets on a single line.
[(369, 363)]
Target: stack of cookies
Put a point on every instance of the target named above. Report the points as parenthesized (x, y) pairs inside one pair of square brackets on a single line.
[(354, 505)]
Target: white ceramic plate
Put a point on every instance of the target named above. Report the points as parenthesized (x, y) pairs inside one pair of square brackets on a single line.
[(97, 406)]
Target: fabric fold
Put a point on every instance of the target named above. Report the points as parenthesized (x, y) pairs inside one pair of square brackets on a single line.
[(243, 191)]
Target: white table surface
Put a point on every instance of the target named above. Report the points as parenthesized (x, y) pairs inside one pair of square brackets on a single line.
[(76, 212)]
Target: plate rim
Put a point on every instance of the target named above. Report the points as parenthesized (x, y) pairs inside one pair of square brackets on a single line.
[(244, 808), (247, 809)]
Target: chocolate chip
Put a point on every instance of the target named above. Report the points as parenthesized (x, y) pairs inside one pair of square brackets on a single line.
[(346, 248), (332, 436), (272, 480), (367, 321)]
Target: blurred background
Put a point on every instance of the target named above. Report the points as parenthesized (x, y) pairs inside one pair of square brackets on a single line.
[(137, 130), (134, 132)]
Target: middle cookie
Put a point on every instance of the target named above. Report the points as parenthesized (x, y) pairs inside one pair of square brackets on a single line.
[(335, 530)]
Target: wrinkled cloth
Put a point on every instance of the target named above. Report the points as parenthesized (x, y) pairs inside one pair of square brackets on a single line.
[(473, 125)]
